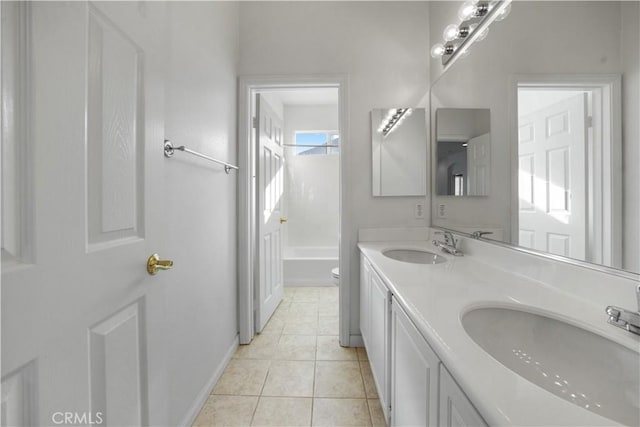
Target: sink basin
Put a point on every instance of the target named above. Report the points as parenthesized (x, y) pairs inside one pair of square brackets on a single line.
[(577, 365), (414, 256)]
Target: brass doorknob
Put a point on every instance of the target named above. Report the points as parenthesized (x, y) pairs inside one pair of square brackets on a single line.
[(154, 263), (283, 220)]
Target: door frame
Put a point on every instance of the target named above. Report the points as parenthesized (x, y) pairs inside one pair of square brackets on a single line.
[(246, 252), (604, 227)]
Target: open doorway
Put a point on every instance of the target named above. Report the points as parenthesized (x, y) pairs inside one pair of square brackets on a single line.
[(291, 137), (566, 167)]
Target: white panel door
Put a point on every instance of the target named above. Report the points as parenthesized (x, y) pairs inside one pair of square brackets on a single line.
[(478, 160), (82, 322), (552, 178), (269, 184)]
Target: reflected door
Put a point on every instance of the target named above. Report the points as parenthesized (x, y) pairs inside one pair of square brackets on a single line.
[(478, 156), (552, 178), (83, 329), (269, 186)]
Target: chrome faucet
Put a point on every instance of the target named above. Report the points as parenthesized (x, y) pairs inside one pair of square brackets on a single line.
[(478, 234), (625, 319), (449, 244)]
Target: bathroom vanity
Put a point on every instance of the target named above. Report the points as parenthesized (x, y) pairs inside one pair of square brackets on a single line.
[(495, 337)]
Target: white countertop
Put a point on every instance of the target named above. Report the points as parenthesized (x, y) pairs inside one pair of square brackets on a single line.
[(436, 296)]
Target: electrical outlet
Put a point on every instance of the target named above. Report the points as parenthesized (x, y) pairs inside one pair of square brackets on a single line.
[(442, 210), (419, 212)]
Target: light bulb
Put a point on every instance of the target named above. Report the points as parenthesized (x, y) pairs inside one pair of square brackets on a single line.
[(466, 11), (450, 32), (437, 50), (504, 13)]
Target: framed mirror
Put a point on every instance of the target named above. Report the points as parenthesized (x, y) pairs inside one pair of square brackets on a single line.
[(463, 150), (399, 151), (562, 83)]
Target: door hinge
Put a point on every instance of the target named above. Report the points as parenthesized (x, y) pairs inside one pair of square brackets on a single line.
[(254, 122), (589, 121)]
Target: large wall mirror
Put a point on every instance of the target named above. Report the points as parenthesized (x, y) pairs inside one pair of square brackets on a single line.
[(561, 81), (399, 151)]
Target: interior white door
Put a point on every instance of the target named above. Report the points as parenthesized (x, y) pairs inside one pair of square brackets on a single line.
[(82, 321), (270, 174), (478, 158), (552, 178)]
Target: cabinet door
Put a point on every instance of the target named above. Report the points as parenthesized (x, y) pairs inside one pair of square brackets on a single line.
[(455, 409), (379, 338), (414, 374), (365, 290)]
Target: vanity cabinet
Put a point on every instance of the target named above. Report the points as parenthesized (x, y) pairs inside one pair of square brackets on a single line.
[(378, 350), (455, 408), (374, 327), (365, 290), (414, 387), (414, 374)]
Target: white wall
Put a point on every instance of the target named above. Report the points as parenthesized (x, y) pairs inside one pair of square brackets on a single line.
[(585, 39), (383, 48), (311, 183), (200, 207)]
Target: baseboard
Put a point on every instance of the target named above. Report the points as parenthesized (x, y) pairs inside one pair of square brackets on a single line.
[(194, 410), (356, 341)]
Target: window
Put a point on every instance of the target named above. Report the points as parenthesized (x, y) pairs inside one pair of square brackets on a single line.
[(317, 143)]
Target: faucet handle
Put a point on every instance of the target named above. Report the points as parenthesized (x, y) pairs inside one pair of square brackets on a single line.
[(478, 234)]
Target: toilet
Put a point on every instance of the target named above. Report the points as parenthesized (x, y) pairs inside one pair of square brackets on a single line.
[(335, 275)]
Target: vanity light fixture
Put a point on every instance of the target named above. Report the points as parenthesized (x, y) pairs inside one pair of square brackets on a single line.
[(393, 120), (475, 18), (473, 9)]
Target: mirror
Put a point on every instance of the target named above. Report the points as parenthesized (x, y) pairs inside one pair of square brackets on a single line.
[(463, 149), (562, 83), (399, 151)]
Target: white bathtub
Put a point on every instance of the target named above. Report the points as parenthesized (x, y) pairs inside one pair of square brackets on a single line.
[(308, 266)]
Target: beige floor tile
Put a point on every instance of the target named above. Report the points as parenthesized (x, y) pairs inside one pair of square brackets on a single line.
[(328, 348), (296, 347), (283, 411), (328, 309), (306, 295), (274, 326), (341, 412), (367, 377), (226, 411), (305, 308), (300, 317), (328, 325), (290, 379), (328, 294), (263, 346), (243, 377), (305, 326), (377, 416), (338, 379), (362, 353)]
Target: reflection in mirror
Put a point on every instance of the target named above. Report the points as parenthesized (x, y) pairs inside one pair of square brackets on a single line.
[(463, 143), (399, 151), (562, 81)]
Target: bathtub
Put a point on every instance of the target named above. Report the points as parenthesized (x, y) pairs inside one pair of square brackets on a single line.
[(308, 266)]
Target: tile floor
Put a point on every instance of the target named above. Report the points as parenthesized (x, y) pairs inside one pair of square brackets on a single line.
[(295, 373)]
